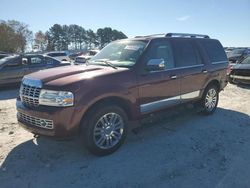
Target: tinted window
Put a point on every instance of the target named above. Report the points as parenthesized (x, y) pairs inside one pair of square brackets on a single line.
[(186, 54), (161, 50), (35, 60), (10, 59), (14, 63), (50, 61), (57, 54), (246, 61), (214, 50)]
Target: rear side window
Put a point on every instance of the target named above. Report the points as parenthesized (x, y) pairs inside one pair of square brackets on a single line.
[(186, 53), (214, 50), (50, 61), (57, 54)]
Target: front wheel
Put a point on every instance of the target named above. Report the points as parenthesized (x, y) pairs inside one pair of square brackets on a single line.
[(210, 99), (106, 130)]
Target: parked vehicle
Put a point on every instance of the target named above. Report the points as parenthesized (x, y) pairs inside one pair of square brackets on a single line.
[(125, 81), (61, 55), (3, 54), (13, 68), (228, 50), (238, 54), (72, 56), (83, 58), (240, 72)]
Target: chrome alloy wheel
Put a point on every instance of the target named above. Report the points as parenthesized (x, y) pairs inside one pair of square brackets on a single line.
[(211, 99), (108, 130)]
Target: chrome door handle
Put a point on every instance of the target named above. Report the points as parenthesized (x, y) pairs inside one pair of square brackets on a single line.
[(173, 77), (204, 71)]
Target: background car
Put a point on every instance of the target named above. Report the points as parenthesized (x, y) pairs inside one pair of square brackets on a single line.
[(83, 58), (240, 72), (228, 50), (73, 55), (238, 54), (4, 54), (60, 55), (13, 68)]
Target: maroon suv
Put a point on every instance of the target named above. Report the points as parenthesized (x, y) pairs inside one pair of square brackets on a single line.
[(126, 80)]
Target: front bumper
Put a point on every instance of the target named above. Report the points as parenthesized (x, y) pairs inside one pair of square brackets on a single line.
[(240, 79), (48, 121)]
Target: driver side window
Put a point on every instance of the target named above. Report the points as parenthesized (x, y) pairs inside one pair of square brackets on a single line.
[(35, 60), (161, 50)]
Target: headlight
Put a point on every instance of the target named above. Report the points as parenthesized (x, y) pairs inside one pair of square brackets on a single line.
[(56, 98)]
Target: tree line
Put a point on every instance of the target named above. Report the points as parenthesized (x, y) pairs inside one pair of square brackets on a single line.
[(15, 36)]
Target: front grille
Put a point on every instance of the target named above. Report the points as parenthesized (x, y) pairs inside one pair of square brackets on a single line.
[(241, 72), (30, 95), (39, 122)]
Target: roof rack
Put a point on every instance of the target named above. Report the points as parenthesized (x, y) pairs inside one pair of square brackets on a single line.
[(186, 35), (176, 35), (154, 35)]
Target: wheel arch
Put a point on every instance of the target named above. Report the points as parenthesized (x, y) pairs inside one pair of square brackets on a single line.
[(111, 100), (214, 82)]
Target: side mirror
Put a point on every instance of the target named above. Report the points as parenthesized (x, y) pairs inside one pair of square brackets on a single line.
[(24, 61), (156, 65)]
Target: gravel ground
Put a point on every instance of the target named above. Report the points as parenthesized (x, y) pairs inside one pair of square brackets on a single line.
[(181, 150)]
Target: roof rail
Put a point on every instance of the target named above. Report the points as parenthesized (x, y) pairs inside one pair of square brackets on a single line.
[(154, 35), (186, 35)]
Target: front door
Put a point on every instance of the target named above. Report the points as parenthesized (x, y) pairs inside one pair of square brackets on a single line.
[(159, 89)]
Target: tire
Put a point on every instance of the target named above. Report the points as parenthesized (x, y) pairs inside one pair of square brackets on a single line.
[(210, 99), (105, 130)]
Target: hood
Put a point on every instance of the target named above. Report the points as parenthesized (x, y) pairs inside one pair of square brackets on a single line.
[(65, 75), (233, 55), (241, 66)]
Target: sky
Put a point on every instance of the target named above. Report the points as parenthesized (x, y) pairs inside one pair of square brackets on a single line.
[(226, 20)]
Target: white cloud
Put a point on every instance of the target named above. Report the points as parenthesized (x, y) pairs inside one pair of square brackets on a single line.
[(183, 18)]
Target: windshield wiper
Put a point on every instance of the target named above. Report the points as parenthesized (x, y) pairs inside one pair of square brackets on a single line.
[(107, 62)]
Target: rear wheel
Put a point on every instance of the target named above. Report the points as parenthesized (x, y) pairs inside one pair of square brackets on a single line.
[(210, 99), (105, 130)]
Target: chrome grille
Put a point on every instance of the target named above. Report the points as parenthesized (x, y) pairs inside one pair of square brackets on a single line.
[(30, 95), (39, 122)]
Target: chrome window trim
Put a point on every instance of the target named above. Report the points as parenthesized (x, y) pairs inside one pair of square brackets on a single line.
[(185, 67), (156, 105), (219, 62)]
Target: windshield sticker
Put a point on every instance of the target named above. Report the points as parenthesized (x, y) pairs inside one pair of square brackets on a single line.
[(131, 47)]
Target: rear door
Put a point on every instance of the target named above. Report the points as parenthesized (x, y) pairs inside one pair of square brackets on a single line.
[(192, 68), (159, 89)]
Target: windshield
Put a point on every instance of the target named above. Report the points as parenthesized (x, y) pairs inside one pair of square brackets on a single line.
[(5, 59), (57, 54), (122, 53), (238, 51), (246, 60)]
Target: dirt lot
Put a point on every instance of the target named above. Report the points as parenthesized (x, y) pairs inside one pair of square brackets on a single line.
[(187, 150)]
